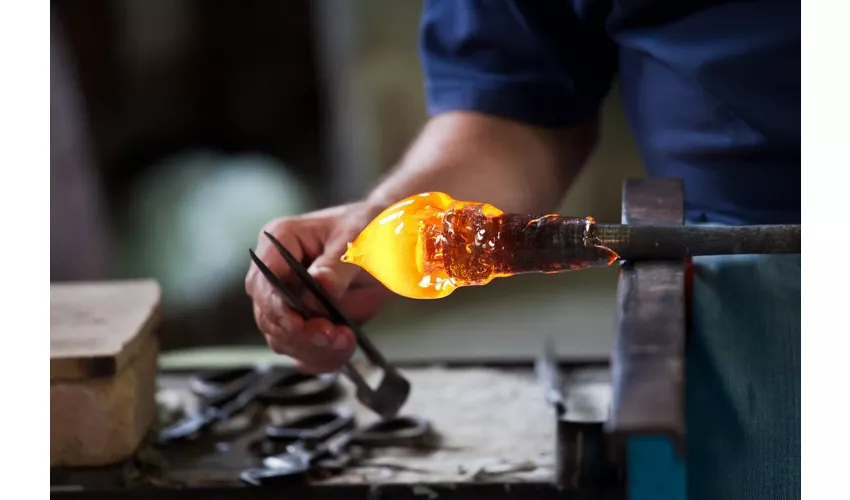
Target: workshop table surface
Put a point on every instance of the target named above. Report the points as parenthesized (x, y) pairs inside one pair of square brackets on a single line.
[(493, 428)]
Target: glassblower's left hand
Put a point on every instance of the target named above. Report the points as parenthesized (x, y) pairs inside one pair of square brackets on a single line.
[(318, 239)]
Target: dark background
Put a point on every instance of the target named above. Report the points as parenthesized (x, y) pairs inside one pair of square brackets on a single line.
[(243, 77), (231, 77), (199, 120)]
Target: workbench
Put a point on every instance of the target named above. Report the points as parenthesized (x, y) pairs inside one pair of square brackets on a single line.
[(495, 439)]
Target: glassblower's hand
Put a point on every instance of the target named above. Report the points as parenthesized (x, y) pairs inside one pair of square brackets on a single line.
[(318, 239)]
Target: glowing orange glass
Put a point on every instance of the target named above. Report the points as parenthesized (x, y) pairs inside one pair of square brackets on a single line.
[(428, 245)]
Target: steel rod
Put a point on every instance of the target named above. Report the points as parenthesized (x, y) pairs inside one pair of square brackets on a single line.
[(676, 242)]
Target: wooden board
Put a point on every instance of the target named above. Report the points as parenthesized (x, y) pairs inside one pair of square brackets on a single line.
[(103, 366), (97, 328), (103, 421)]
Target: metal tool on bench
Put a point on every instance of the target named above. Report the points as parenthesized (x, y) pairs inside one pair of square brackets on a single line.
[(546, 368), (311, 428), (333, 446), (227, 393), (387, 399), (290, 387), (304, 430), (581, 462)]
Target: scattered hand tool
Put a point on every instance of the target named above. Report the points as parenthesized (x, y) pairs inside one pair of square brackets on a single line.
[(580, 443), (546, 368), (326, 449), (309, 429), (215, 411), (226, 394), (304, 431), (290, 387), (392, 392)]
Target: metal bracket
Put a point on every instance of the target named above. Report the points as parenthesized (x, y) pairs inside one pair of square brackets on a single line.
[(648, 357)]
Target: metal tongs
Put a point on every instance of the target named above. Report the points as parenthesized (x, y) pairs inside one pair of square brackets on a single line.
[(546, 369), (387, 399)]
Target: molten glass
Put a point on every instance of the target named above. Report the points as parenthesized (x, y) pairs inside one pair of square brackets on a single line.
[(428, 245)]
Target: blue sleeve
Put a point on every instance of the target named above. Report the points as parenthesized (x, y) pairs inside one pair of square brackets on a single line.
[(529, 61)]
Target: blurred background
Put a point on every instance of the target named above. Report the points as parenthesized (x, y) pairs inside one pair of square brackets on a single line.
[(178, 128)]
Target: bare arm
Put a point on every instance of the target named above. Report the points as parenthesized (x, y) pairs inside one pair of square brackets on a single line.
[(475, 157)]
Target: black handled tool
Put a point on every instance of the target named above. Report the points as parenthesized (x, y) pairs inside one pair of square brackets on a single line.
[(222, 408), (387, 399), (290, 386), (337, 450)]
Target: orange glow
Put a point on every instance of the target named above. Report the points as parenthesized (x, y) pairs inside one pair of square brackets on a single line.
[(428, 245)]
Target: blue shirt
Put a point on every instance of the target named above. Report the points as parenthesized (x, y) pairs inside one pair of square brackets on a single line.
[(711, 88)]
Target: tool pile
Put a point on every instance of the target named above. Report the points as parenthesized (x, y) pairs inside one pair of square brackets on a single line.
[(320, 441)]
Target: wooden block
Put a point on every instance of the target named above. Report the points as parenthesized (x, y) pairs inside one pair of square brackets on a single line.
[(103, 366), (97, 328)]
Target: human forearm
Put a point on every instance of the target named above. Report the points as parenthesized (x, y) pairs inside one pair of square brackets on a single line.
[(473, 157)]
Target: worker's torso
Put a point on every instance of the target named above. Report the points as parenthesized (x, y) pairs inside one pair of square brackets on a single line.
[(712, 92)]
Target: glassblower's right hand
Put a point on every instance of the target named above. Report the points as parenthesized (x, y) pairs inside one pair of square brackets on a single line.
[(317, 239)]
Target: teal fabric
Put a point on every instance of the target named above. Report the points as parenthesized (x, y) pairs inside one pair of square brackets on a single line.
[(655, 470), (743, 388), (743, 379)]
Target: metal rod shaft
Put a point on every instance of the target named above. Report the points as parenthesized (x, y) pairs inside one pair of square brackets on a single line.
[(677, 242)]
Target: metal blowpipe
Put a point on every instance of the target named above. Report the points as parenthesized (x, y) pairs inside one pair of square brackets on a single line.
[(677, 242)]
